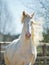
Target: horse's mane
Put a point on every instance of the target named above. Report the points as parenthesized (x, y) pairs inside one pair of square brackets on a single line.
[(37, 29)]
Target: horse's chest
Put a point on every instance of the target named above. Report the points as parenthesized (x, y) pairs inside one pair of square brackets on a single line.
[(24, 54), (23, 57), (25, 50)]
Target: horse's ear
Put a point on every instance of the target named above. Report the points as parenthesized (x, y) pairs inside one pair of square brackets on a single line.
[(32, 15), (24, 13), (23, 16)]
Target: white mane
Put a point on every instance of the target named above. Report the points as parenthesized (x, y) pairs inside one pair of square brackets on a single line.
[(37, 29)]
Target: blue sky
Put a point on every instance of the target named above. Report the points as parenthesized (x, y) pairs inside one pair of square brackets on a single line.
[(16, 7)]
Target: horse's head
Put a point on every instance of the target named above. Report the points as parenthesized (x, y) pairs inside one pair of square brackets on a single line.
[(26, 18)]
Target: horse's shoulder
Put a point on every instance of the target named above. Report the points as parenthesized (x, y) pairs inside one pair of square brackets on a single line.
[(15, 41), (12, 44)]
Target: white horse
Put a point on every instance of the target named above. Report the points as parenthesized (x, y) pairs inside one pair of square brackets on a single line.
[(21, 51)]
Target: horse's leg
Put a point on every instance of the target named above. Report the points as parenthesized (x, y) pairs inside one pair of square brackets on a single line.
[(32, 61), (6, 60)]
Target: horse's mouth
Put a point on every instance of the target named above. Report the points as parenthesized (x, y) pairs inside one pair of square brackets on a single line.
[(28, 35)]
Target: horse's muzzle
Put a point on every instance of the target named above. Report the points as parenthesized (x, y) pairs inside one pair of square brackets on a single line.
[(28, 35)]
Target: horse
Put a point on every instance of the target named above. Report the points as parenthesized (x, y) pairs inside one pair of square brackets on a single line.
[(21, 51)]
